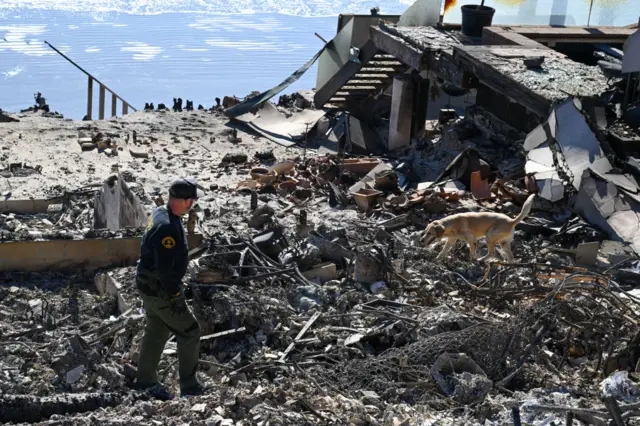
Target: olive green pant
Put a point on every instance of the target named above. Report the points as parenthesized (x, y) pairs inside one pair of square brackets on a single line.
[(160, 322)]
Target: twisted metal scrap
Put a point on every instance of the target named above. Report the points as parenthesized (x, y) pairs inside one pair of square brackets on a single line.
[(573, 309)]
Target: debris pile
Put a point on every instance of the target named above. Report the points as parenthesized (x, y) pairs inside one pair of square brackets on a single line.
[(317, 302), (318, 298)]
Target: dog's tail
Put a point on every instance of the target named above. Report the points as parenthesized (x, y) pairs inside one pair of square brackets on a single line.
[(526, 209)]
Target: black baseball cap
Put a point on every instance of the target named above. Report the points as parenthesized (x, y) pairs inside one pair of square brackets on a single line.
[(185, 188)]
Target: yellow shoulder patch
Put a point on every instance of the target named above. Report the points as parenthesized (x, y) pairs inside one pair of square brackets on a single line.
[(168, 242)]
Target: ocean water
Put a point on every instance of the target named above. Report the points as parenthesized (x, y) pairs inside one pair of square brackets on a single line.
[(154, 50), (152, 58)]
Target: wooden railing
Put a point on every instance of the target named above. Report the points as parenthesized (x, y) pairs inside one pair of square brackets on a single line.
[(101, 98)]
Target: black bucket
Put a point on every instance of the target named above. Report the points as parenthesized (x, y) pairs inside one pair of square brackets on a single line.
[(475, 18)]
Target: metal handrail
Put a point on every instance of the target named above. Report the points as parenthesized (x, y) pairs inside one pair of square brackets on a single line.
[(103, 87)]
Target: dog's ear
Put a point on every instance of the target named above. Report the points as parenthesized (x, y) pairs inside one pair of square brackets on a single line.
[(438, 229)]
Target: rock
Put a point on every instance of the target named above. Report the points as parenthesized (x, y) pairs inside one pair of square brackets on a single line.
[(534, 62), (75, 374), (266, 155), (238, 378), (215, 420), (138, 154), (229, 101), (370, 265), (369, 397), (148, 409), (129, 372), (88, 146), (261, 216), (372, 409), (250, 401), (199, 408), (237, 158), (55, 208), (305, 98), (433, 203), (6, 119)]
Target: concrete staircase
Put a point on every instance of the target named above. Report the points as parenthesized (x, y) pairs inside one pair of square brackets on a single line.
[(374, 77), (357, 81)]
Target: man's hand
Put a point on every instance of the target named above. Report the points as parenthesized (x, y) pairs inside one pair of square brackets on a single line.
[(178, 304)]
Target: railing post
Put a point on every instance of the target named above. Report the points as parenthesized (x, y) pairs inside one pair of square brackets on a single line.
[(114, 100), (101, 106), (90, 97), (103, 88)]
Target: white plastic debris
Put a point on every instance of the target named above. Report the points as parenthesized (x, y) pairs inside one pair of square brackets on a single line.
[(619, 385), (378, 287)]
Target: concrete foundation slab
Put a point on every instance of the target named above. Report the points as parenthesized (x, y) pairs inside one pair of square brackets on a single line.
[(85, 255), (27, 206)]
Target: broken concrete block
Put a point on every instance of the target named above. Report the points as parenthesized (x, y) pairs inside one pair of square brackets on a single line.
[(305, 97), (88, 146), (83, 137), (55, 208), (105, 284), (6, 119), (138, 154), (199, 408), (323, 272), (534, 62), (75, 374), (434, 203), (236, 158), (616, 251), (261, 216), (587, 253), (370, 265), (117, 207)]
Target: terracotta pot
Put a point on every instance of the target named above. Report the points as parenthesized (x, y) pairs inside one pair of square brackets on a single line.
[(256, 172), (283, 167), (416, 199), (263, 175), (360, 166), (287, 186), (366, 199)]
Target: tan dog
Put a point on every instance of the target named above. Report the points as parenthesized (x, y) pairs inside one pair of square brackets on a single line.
[(498, 229)]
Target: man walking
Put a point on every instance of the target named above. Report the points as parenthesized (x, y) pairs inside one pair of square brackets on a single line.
[(162, 265)]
